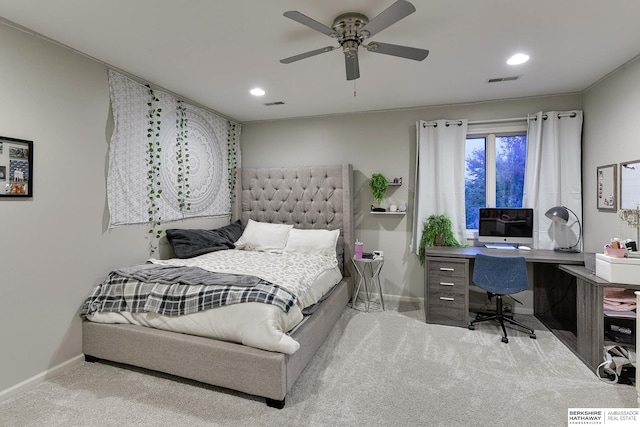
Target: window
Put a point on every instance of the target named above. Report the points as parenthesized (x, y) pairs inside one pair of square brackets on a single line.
[(494, 172)]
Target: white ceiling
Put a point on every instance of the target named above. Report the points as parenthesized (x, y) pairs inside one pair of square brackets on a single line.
[(213, 51)]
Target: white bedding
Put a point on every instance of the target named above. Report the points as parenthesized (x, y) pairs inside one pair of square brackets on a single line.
[(297, 273), (253, 324), (258, 325)]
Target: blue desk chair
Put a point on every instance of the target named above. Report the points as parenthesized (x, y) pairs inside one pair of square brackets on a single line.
[(500, 276)]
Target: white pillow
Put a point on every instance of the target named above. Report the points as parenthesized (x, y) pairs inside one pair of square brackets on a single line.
[(312, 241), (264, 236)]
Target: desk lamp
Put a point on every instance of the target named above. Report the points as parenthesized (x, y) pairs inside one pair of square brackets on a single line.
[(560, 214)]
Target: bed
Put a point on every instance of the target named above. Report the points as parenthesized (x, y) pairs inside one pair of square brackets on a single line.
[(306, 198)]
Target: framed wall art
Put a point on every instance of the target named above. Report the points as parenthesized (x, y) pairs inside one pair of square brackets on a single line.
[(606, 188), (16, 167), (630, 185)]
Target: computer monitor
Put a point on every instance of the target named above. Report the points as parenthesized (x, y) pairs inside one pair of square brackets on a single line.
[(506, 225)]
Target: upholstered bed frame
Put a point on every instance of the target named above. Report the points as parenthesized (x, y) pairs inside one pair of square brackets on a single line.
[(307, 197)]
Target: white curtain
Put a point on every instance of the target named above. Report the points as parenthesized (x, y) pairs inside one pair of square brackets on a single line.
[(440, 172), (553, 175)]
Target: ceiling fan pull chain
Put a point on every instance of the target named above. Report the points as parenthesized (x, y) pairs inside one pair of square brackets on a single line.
[(354, 88)]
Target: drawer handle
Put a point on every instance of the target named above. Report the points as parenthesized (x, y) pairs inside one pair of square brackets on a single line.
[(447, 269), (446, 284), (447, 299)]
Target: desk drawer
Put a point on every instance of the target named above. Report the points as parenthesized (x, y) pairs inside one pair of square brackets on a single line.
[(448, 268), (446, 302), (447, 310), (446, 291), (444, 284), (446, 298)]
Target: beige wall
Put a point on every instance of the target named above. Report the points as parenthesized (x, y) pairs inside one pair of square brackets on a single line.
[(610, 135), (376, 142), (55, 247)]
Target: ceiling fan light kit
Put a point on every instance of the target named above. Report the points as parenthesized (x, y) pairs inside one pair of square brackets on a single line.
[(352, 29)]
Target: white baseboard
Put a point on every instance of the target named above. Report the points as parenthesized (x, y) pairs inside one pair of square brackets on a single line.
[(32, 382), (516, 309), (394, 299), (419, 300), (400, 298)]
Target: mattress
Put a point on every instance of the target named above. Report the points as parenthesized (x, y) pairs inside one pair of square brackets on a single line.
[(258, 325)]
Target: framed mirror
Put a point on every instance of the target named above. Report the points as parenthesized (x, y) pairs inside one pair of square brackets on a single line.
[(16, 167), (630, 184), (606, 188)]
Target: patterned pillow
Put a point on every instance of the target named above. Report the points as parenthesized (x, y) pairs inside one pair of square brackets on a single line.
[(190, 243)]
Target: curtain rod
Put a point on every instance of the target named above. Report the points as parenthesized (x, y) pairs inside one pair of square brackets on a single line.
[(492, 121)]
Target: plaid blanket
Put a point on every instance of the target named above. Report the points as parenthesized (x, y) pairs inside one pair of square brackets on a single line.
[(119, 293)]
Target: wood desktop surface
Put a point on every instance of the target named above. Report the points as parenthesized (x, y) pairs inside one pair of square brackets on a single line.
[(546, 256)]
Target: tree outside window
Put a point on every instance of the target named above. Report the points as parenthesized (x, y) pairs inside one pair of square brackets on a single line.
[(481, 188)]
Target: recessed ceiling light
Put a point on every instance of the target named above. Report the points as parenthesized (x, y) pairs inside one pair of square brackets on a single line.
[(256, 91), (517, 59)]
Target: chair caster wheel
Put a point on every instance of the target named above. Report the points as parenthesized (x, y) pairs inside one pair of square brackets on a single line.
[(505, 340), (532, 336), (472, 328)]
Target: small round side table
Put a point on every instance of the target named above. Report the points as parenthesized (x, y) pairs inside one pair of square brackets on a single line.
[(367, 268)]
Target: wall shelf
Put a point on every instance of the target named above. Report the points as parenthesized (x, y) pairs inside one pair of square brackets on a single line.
[(387, 213), (395, 182)]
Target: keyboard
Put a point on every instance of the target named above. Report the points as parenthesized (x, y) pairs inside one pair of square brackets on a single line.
[(499, 246)]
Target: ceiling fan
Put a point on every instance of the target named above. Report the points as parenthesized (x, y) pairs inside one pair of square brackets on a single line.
[(352, 29)]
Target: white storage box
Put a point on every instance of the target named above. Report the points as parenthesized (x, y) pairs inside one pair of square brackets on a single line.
[(618, 270)]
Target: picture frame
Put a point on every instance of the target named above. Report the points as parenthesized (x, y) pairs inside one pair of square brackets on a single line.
[(630, 184), (16, 167), (606, 188)]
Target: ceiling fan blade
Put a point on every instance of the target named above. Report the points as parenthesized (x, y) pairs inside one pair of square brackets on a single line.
[(294, 58), (353, 68), (400, 9), (311, 23), (397, 50)]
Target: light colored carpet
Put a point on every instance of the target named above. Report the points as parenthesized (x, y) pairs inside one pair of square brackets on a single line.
[(375, 369)]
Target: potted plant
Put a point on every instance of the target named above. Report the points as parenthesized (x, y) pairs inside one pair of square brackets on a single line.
[(378, 184), (437, 231)]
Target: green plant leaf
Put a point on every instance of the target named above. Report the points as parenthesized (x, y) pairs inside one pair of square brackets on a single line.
[(379, 185), (437, 229)]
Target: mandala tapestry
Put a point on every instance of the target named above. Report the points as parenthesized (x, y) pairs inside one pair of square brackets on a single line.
[(197, 185)]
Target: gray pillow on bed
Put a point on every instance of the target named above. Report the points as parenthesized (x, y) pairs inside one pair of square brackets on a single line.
[(190, 243)]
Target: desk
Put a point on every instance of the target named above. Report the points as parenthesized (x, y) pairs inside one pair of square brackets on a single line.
[(584, 333), (567, 298), (447, 301), (367, 269)]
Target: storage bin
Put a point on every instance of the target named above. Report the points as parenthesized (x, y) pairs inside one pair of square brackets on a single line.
[(616, 253), (618, 270)]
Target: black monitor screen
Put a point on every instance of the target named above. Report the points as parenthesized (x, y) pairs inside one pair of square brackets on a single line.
[(511, 225)]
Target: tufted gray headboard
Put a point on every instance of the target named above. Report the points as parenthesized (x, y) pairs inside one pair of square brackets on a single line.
[(307, 197)]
